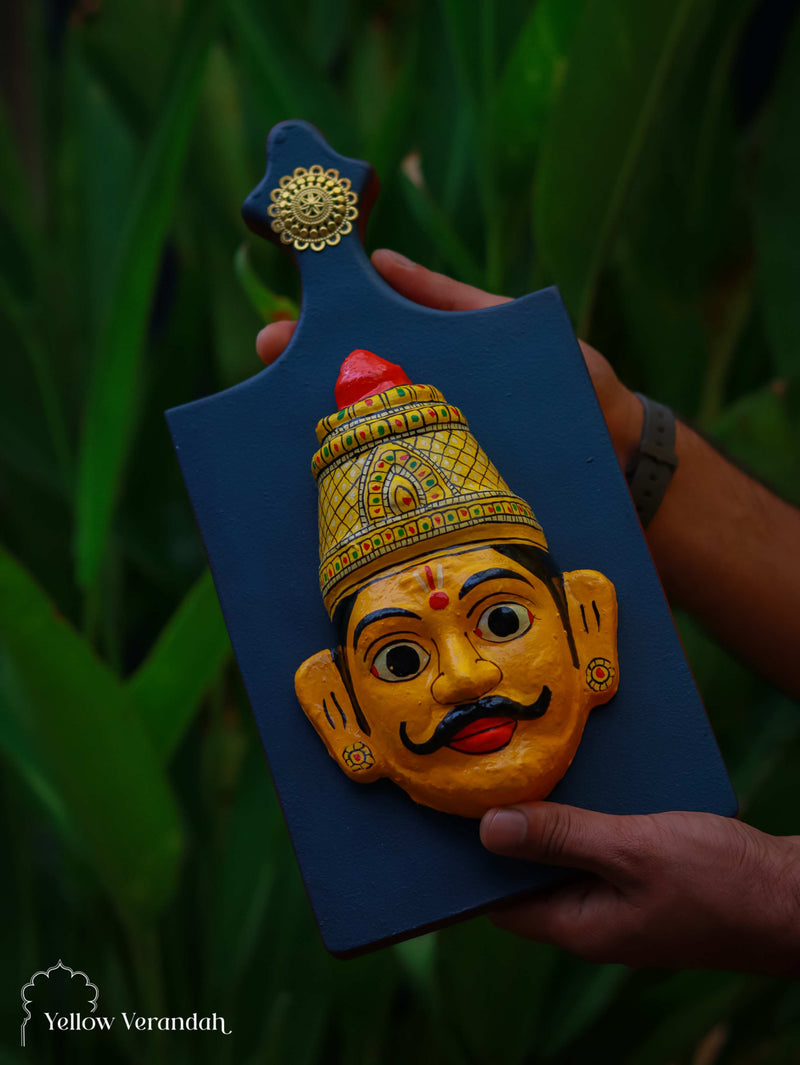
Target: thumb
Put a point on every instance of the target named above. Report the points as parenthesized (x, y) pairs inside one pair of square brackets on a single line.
[(566, 835)]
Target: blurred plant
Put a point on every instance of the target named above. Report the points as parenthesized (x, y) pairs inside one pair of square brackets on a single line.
[(629, 152)]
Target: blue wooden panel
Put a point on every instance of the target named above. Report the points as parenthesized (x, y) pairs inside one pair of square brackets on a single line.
[(375, 865)]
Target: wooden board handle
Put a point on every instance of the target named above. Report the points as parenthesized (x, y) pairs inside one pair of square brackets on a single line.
[(311, 200)]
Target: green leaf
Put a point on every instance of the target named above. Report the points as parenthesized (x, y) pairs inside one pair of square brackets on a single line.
[(664, 331), (587, 991), (626, 58), (186, 660), (363, 1001), (106, 161), (22, 250), (244, 875), (682, 1010), (532, 79), (22, 268), (386, 140), (219, 143), (764, 760), (20, 420), (300, 973), (760, 432), (130, 48), (285, 79), (235, 320), (683, 226), (778, 215), (445, 238), (471, 47), (18, 743), (418, 956), (517, 971), (270, 307), (112, 407), (97, 755)]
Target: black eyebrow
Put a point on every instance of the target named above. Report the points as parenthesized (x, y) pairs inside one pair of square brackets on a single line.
[(490, 575), (379, 615)]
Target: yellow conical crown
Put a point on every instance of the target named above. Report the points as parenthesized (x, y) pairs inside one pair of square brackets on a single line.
[(399, 475)]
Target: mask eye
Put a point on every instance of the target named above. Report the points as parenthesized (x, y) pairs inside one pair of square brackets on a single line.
[(503, 621), (402, 660)]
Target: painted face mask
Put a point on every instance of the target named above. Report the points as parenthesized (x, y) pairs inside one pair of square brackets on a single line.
[(467, 663)]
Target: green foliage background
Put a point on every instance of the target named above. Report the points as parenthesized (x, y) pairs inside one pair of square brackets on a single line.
[(595, 143)]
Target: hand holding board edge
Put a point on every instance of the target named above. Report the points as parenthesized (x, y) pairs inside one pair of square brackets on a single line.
[(377, 866)]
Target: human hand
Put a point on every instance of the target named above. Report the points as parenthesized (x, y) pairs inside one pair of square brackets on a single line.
[(621, 410), (674, 890)]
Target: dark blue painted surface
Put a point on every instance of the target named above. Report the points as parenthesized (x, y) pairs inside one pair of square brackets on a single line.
[(375, 864)]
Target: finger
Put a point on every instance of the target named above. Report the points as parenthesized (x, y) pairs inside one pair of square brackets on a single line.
[(544, 918), (588, 918), (546, 914), (613, 848), (424, 286), (273, 339)]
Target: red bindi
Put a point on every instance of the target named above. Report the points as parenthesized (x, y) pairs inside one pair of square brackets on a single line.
[(439, 600)]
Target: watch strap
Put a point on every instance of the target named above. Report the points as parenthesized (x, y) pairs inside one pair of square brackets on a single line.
[(655, 461)]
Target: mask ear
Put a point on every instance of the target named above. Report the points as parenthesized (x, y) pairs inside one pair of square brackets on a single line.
[(327, 705), (592, 604)]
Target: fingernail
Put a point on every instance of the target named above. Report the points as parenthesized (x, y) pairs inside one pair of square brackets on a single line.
[(396, 257), (507, 828)]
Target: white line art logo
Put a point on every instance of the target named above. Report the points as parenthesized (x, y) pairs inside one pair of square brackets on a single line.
[(82, 1016), (44, 974)]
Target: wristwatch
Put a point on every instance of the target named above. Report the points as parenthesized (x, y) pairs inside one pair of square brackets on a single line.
[(655, 461)]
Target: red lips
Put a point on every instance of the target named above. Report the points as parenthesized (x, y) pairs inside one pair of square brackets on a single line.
[(483, 736)]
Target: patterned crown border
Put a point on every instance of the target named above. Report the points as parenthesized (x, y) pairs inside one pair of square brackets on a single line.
[(413, 419), (427, 525), (399, 396)]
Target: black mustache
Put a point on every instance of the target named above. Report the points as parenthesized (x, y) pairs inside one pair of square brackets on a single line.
[(465, 713)]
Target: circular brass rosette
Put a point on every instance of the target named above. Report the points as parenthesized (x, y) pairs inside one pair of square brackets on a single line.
[(313, 208), (358, 756), (600, 674)]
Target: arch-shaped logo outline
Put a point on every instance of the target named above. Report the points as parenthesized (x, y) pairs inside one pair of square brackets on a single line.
[(46, 974)]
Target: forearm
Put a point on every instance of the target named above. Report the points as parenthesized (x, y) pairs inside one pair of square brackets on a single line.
[(727, 550)]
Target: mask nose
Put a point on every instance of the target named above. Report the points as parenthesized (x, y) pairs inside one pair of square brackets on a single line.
[(463, 676)]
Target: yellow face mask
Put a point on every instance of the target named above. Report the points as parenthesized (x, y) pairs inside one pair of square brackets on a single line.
[(466, 675), (466, 667)]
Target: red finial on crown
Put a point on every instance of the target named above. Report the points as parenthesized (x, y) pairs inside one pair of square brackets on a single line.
[(366, 374)]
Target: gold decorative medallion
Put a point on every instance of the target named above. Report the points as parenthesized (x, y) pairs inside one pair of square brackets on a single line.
[(312, 208)]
